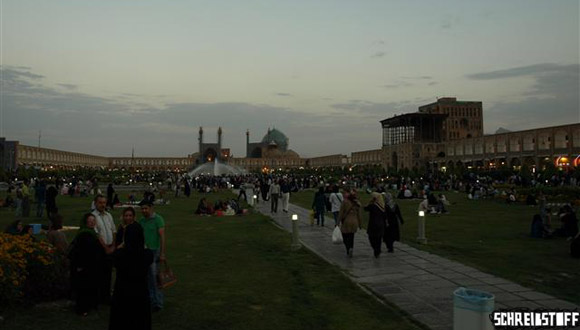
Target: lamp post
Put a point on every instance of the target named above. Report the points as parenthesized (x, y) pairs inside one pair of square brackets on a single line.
[(295, 243), (255, 197), (421, 228)]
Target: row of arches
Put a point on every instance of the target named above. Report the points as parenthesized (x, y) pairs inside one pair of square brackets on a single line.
[(513, 162), (517, 142)]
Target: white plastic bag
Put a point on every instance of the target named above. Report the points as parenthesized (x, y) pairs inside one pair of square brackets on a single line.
[(336, 235)]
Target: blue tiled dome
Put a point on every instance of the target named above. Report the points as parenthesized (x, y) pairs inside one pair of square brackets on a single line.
[(278, 138)]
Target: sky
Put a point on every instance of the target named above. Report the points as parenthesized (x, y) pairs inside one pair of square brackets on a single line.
[(104, 77)]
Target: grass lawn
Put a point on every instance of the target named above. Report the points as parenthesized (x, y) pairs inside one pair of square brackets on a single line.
[(234, 273), (493, 237)]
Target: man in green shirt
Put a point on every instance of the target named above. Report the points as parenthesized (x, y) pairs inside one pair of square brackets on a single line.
[(154, 232)]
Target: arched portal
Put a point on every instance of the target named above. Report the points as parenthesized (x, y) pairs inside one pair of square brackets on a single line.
[(515, 163), (256, 153), (209, 155)]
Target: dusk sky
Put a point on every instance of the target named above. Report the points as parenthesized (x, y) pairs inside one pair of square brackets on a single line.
[(102, 77)]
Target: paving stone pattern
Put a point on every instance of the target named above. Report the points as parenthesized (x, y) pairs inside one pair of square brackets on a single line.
[(418, 282)]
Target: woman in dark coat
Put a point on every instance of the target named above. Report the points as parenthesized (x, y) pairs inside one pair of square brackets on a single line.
[(86, 256), (110, 194), (319, 206), (394, 220), (377, 222), (51, 207), (130, 305)]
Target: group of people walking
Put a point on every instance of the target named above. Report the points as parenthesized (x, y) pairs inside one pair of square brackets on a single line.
[(134, 248), (384, 217)]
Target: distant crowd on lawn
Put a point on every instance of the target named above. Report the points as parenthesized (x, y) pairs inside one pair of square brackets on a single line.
[(100, 244)]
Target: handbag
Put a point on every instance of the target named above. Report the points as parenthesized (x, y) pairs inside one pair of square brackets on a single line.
[(336, 235), (166, 277)]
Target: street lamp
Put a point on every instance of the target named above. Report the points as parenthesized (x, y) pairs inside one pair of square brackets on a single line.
[(421, 228), (295, 243)]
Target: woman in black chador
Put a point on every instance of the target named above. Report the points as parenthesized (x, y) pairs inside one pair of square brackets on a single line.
[(130, 305), (394, 222), (377, 222), (86, 257)]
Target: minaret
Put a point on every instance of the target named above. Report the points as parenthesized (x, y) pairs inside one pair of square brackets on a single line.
[(200, 145), (247, 143), (220, 137)]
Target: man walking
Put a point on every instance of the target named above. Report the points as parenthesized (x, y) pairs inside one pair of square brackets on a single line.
[(40, 193), (105, 228), (154, 230), (285, 188), (274, 194)]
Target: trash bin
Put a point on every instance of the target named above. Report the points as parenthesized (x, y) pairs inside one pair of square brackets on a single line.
[(471, 309)]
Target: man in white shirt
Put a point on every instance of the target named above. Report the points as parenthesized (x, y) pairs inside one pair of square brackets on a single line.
[(274, 195), (335, 203), (106, 230)]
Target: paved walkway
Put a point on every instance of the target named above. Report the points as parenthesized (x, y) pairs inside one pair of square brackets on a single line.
[(418, 282)]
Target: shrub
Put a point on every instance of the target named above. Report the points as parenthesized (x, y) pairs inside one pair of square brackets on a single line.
[(29, 270)]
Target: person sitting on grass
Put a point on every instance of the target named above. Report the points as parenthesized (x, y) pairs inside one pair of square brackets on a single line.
[(531, 200), (15, 228), (569, 221), (203, 208), (424, 205), (575, 246), (537, 229), (511, 196)]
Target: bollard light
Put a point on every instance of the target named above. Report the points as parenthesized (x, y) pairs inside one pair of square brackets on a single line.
[(421, 228), (295, 242)]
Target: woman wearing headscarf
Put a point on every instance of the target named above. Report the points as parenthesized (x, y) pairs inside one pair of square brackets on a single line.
[(350, 220), (394, 220), (377, 222), (86, 256), (56, 237), (130, 305)]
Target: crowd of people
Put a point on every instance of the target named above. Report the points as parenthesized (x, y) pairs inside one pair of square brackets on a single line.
[(136, 248)]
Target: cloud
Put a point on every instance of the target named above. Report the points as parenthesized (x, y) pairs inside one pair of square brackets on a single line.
[(378, 54), (382, 109), (450, 21), (398, 84), (284, 94), (68, 86), (417, 77), (552, 99), (530, 70), (433, 83), (110, 126)]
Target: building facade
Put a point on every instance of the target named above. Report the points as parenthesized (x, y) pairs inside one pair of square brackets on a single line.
[(464, 118), (449, 133)]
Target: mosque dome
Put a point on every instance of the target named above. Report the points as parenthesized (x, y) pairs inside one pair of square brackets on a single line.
[(275, 137)]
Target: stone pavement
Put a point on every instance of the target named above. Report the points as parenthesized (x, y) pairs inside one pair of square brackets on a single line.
[(418, 282)]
